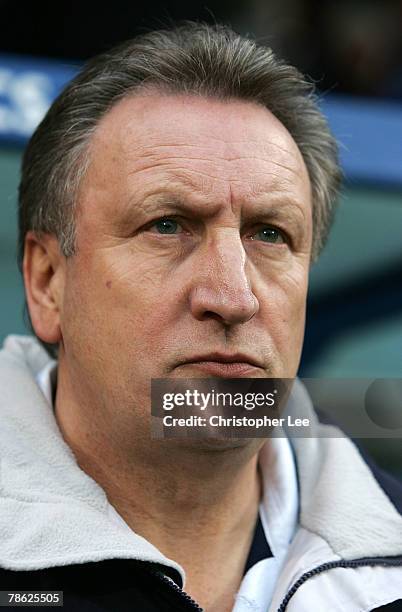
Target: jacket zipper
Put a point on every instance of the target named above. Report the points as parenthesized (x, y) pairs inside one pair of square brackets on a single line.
[(331, 565), (193, 605)]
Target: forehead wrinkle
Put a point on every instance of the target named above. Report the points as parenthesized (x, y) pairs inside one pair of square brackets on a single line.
[(158, 153), (205, 186), (148, 157), (188, 176), (229, 149), (227, 146), (286, 143)]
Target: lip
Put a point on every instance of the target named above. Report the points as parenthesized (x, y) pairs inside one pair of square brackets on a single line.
[(221, 364), (219, 369)]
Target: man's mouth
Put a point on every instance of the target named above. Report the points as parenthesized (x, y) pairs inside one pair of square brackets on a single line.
[(235, 365)]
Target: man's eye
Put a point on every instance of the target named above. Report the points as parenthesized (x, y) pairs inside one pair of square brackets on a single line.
[(269, 234), (166, 226)]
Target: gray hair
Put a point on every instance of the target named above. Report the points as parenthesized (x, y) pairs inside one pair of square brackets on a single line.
[(192, 58)]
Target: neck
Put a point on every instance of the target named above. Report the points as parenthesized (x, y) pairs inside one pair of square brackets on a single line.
[(197, 504), (163, 486)]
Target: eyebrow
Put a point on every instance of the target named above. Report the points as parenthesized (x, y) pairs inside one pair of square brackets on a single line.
[(280, 207)]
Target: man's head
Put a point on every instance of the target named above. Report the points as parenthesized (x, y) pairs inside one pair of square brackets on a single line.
[(171, 203), (213, 62)]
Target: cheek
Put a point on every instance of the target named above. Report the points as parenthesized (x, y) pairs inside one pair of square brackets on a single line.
[(123, 307), (283, 310), (294, 324)]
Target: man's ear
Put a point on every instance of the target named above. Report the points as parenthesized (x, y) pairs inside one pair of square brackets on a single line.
[(44, 278)]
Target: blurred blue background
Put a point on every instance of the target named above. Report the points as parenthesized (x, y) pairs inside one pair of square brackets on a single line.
[(353, 50)]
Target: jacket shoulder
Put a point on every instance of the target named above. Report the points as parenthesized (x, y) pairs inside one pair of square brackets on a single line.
[(114, 585)]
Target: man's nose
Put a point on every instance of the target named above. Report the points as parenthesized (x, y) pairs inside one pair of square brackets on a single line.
[(221, 289)]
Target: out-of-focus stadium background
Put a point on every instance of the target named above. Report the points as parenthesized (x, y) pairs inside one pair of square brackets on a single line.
[(353, 51)]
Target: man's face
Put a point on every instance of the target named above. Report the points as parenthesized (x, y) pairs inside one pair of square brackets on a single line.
[(194, 230)]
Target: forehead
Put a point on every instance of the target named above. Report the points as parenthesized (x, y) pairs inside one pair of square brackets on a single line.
[(198, 144)]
